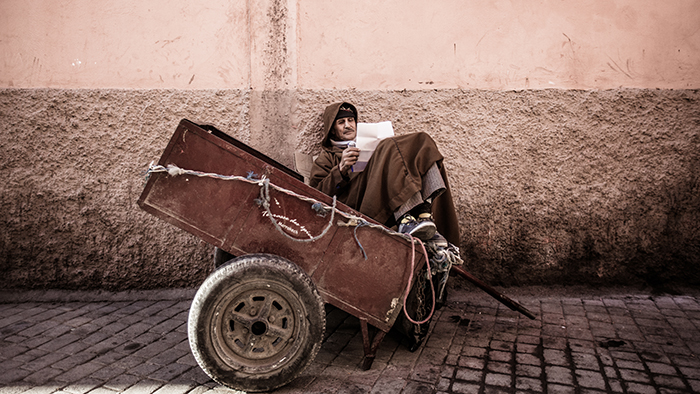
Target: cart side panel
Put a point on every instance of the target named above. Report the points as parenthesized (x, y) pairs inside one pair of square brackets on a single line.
[(374, 287), (211, 208), (296, 219), (205, 207)]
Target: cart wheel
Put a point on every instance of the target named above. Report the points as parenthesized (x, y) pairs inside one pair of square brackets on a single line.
[(256, 323)]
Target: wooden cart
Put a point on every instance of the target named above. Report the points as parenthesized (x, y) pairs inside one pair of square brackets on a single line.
[(258, 320)]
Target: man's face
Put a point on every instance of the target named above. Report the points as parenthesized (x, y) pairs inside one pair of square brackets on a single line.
[(345, 129)]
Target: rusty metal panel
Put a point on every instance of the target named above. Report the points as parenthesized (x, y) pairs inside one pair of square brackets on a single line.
[(207, 207), (190, 201), (374, 287), (227, 214), (297, 219)]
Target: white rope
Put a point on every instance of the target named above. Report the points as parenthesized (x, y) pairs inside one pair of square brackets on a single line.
[(353, 221), (410, 284), (265, 198), (265, 184)]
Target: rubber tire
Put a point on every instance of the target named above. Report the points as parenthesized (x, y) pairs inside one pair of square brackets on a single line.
[(237, 283)]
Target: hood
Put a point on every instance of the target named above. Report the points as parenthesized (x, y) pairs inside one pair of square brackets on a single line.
[(329, 117)]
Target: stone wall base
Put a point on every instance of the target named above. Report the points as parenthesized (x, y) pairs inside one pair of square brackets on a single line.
[(551, 186)]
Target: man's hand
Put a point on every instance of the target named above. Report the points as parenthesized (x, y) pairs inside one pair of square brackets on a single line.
[(349, 158)]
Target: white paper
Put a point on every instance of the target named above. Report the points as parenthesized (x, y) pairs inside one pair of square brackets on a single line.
[(368, 137)]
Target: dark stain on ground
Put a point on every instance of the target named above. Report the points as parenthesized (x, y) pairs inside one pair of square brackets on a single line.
[(459, 320), (611, 343)]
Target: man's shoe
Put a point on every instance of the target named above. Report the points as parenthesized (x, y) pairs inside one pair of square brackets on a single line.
[(438, 240), (423, 229), (427, 217)]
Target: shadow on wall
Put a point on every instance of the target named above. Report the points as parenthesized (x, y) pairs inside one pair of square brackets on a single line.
[(641, 245), (611, 195)]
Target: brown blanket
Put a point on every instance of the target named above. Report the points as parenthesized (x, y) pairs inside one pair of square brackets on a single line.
[(393, 174)]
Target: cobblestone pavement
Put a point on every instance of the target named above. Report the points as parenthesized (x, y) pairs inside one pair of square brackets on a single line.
[(602, 342)]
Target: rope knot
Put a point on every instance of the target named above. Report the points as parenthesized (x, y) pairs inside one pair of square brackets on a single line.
[(319, 209), (174, 170)]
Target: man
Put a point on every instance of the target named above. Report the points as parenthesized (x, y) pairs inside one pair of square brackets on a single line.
[(404, 182)]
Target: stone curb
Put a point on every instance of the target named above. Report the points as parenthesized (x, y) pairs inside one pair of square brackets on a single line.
[(17, 296)]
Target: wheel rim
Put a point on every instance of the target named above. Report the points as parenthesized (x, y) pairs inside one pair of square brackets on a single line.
[(256, 326)]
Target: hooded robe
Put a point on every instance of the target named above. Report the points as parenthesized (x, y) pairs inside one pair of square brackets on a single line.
[(392, 176)]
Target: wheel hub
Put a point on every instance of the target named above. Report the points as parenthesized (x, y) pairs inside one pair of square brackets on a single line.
[(256, 325)]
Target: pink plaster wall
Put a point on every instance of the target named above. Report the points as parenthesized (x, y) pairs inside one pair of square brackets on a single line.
[(368, 45), (124, 44), (489, 44)]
